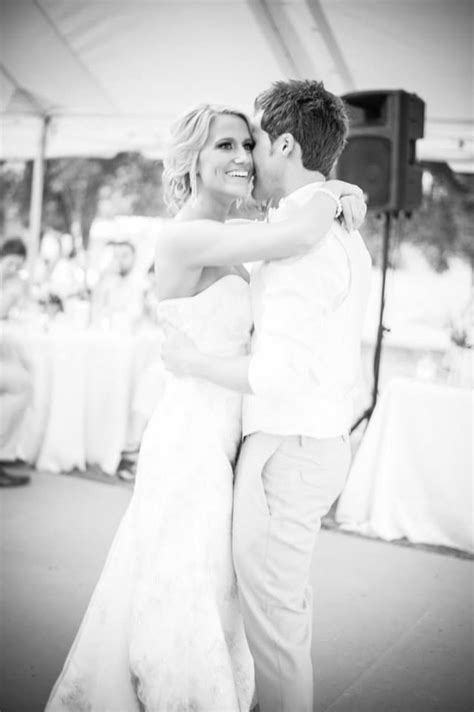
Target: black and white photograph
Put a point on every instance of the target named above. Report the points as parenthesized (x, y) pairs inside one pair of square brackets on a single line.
[(236, 355)]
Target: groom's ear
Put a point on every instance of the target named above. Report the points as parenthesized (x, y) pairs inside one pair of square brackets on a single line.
[(286, 144)]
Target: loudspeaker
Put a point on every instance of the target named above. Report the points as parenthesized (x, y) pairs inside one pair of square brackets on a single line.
[(380, 155)]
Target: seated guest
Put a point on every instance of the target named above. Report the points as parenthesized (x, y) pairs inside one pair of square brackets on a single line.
[(13, 284), (67, 275), (150, 298), (15, 396), (15, 381), (58, 270), (52, 305), (148, 391), (460, 358), (118, 297)]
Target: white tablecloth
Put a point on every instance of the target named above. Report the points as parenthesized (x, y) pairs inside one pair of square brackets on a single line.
[(83, 383), (412, 475)]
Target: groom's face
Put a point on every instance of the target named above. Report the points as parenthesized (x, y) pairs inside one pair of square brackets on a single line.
[(267, 163)]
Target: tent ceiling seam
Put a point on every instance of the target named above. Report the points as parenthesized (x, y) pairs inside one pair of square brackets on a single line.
[(36, 105), (68, 47), (262, 12), (319, 16)]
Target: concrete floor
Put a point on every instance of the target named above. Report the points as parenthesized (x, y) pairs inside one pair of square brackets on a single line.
[(392, 629)]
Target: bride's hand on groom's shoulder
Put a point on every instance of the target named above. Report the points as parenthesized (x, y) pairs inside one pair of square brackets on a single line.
[(354, 210), (179, 353), (353, 202)]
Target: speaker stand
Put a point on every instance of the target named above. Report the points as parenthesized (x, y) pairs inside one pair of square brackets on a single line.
[(367, 414)]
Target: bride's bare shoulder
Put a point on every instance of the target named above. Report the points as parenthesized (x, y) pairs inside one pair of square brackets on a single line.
[(176, 234), (167, 231)]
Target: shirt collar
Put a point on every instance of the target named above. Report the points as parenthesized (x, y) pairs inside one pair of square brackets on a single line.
[(300, 196)]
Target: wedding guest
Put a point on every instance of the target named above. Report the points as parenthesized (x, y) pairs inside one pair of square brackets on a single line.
[(149, 389), (67, 275), (58, 271), (15, 381), (460, 358), (150, 298), (13, 291), (118, 297)]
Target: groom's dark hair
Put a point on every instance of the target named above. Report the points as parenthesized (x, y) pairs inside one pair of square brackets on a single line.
[(315, 118)]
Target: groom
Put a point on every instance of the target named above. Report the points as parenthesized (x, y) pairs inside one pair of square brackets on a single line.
[(308, 314)]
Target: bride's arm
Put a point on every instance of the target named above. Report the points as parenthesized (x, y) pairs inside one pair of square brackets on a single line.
[(203, 243), (231, 373)]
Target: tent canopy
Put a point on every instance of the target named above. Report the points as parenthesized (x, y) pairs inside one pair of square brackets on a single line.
[(112, 75)]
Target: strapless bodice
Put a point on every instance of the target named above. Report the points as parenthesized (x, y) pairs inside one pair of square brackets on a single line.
[(218, 319)]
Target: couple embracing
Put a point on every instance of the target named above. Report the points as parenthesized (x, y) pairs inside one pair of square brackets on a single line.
[(204, 601)]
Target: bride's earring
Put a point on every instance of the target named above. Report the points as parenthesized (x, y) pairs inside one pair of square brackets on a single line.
[(250, 187), (248, 201), (267, 206), (193, 183)]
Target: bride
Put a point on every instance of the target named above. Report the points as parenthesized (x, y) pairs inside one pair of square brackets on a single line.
[(163, 630)]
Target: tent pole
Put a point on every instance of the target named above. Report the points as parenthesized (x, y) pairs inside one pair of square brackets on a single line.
[(36, 202)]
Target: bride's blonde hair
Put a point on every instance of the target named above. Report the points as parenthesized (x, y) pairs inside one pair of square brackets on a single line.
[(189, 134)]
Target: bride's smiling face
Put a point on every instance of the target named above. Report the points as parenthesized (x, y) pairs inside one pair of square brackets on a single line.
[(225, 164)]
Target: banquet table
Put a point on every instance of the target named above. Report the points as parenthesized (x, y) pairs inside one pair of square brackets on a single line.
[(412, 474), (83, 381)]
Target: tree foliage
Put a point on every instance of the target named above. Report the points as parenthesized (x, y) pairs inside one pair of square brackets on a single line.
[(139, 181), (75, 187), (79, 189), (442, 227), (15, 189)]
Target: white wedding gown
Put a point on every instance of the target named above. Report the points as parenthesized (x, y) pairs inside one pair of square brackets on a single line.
[(163, 630)]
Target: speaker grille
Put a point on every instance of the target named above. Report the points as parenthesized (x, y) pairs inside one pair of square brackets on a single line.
[(366, 161)]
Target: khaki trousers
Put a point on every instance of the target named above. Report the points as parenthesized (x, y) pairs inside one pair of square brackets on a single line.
[(284, 486)]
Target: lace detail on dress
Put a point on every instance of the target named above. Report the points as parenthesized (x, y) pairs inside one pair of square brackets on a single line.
[(163, 631), (75, 698)]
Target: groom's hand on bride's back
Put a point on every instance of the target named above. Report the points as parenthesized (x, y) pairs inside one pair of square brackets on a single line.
[(178, 353)]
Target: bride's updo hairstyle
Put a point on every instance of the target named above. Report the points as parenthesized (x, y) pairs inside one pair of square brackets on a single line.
[(189, 134)]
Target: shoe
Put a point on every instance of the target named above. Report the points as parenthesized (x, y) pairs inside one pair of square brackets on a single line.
[(13, 463), (126, 475), (127, 468), (7, 480)]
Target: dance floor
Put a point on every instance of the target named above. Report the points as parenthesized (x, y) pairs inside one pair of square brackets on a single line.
[(392, 629)]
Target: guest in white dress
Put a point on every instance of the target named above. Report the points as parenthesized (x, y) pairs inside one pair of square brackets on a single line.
[(15, 376), (163, 630)]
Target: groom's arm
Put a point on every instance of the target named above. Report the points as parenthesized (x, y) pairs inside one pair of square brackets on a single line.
[(231, 373), (268, 377), (180, 356)]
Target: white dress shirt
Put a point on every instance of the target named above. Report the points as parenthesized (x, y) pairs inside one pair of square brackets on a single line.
[(120, 299), (308, 314)]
